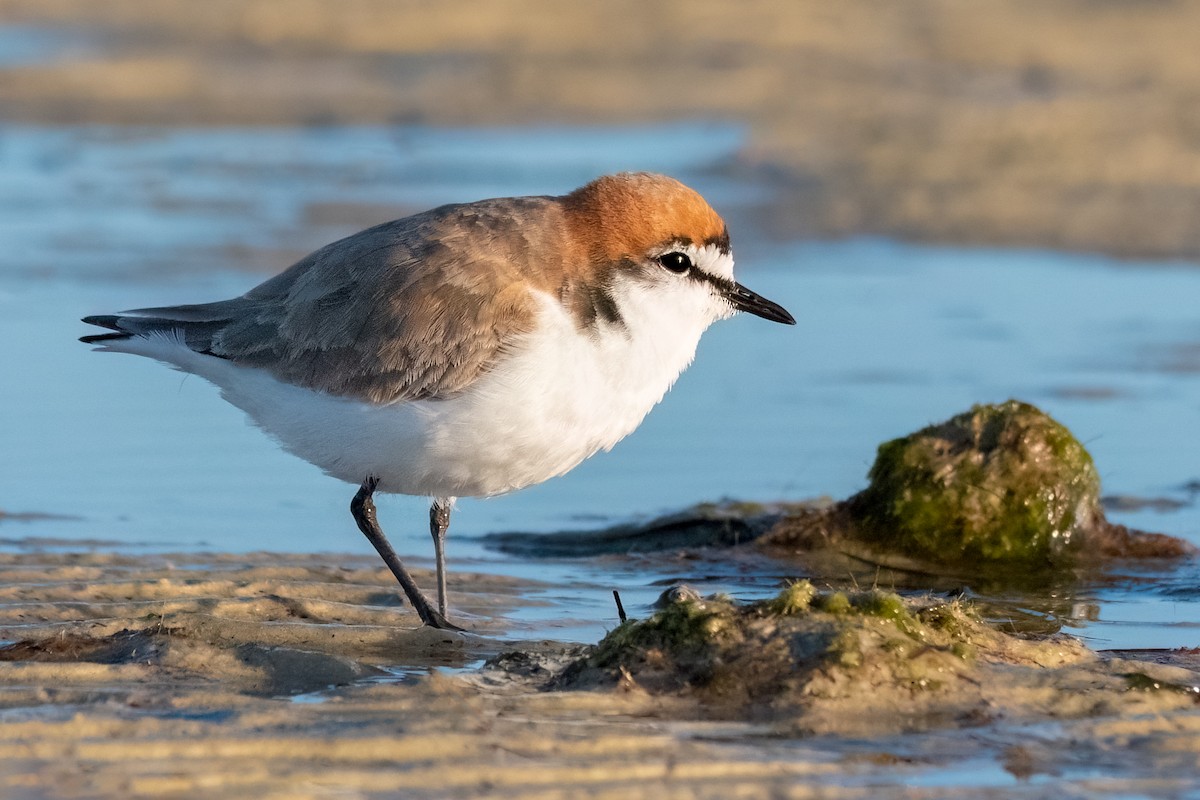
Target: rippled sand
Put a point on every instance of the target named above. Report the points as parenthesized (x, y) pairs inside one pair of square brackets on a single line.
[(303, 676)]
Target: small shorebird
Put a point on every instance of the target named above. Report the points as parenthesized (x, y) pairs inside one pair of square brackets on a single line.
[(470, 350)]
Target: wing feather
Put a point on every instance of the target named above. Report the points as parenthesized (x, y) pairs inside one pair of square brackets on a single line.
[(415, 308)]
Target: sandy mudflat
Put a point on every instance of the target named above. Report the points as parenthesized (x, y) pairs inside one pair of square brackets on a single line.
[(1062, 124), (277, 676)]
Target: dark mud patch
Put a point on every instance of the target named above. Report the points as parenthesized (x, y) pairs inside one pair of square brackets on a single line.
[(1127, 502), (1185, 657), (720, 525)]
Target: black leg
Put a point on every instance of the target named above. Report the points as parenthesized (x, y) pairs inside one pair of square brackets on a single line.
[(439, 521), (363, 509)]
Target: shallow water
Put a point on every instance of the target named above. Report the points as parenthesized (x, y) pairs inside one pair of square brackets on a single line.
[(890, 337), (31, 45)]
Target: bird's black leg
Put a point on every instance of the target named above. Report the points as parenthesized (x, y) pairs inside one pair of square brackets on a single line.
[(439, 521), (363, 509)]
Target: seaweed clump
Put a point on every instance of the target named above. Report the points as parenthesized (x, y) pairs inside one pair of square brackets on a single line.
[(999, 484)]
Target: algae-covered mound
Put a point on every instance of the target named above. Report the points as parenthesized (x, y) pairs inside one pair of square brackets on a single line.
[(1000, 483), (832, 661), (800, 646), (784, 652)]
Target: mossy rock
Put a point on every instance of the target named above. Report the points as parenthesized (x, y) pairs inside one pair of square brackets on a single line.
[(998, 483), (1001, 491)]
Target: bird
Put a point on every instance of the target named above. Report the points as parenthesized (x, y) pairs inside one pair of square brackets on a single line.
[(470, 350)]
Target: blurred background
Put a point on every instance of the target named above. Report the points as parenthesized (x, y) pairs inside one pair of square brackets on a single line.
[(1071, 123), (960, 202)]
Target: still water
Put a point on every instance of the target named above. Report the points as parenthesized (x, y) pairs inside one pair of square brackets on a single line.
[(890, 338)]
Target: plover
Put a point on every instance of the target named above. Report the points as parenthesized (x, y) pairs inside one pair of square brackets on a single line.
[(466, 351)]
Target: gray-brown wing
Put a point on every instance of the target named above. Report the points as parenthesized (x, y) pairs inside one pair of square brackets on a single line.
[(415, 308)]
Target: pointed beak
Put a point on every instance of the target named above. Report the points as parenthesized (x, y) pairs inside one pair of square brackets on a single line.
[(743, 299)]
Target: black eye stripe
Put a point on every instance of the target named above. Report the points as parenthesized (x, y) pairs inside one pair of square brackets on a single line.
[(674, 261)]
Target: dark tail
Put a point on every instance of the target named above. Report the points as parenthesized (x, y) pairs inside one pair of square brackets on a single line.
[(110, 321), (195, 325)]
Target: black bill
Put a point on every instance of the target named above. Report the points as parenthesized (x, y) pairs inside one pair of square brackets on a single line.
[(743, 299)]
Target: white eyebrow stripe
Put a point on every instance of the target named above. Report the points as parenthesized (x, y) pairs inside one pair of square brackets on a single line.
[(711, 259)]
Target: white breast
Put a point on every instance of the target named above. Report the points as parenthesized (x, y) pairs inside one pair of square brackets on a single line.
[(563, 396)]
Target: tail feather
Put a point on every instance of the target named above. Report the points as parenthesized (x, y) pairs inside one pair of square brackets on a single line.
[(196, 334), (103, 337), (109, 321), (220, 311)]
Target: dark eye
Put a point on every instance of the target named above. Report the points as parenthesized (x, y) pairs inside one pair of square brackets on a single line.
[(678, 263)]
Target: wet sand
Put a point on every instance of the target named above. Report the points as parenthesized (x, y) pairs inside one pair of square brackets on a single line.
[(270, 675), (1060, 124)]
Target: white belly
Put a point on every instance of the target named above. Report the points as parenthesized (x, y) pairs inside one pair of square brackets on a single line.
[(557, 398)]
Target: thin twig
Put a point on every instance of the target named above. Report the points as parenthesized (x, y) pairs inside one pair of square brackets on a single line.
[(620, 608)]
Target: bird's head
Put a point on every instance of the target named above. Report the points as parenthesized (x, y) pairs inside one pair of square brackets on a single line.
[(649, 238)]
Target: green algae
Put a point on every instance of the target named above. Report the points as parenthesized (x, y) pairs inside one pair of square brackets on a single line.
[(836, 603), (794, 599), (998, 483), (887, 605), (686, 627), (948, 619), (679, 642)]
